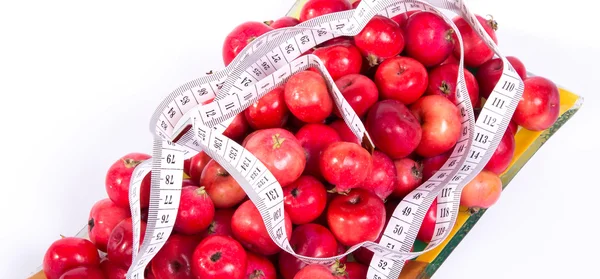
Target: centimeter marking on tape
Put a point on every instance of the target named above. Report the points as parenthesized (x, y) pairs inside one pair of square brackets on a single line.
[(387, 261)]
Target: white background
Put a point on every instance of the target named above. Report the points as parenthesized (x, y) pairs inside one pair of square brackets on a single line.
[(116, 60)]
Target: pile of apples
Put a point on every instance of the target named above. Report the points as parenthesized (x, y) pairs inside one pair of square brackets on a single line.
[(399, 75)]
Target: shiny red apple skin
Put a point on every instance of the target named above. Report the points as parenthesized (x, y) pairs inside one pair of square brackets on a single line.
[(359, 91), (314, 138), (401, 78), (539, 106), (489, 73), (441, 124), (340, 59)]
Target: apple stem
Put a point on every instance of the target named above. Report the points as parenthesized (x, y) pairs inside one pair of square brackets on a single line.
[(339, 269), (492, 23), (294, 192), (215, 257), (256, 274), (201, 191), (373, 60), (91, 224), (445, 88), (268, 22), (473, 210), (130, 163), (449, 34), (277, 141)]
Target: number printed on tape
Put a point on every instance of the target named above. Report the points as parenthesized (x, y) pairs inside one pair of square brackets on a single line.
[(268, 62)]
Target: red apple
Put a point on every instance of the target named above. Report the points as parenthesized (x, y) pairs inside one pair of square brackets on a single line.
[(409, 175), (221, 187), (196, 166), (103, 218), (401, 78), (269, 111), (112, 270), (353, 270), (340, 59), (280, 152), (196, 211), (120, 243), (344, 131), (118, 178), (539, 106), (489, 73), (259, 267), (503, 154), (432, 164), (286, 21), (356, 217), (84, 272), (428, 38), (441, 124), (237, 129), (345, 165), (359, 91), (68, 253), (380, 39), (174, 259), (393, 128), (218, 257), (314, 138), (427, 229), (450, 60), (305, 199), (249, 229), (221, 223), (315, 8), (307, 97), (380, 181), (476, 52), (309, 240), (442, 81), (315, 271), (402, 18), (240, 37)]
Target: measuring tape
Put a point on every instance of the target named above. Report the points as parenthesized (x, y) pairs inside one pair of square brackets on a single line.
[(187, 122)]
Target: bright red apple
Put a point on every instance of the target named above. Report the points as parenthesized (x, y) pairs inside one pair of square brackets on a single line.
[(503, 154), (240, 37), (340, 59), (409, 175), (218, 257), (315, 8), (359, 91), (174, 259), (442, 81), (314, 138), (196, 211), (286, 21), (441, 124), (489, 73), (428, 38), (345, 165), (305, 199), (307, 97), (269, 111), (344, 131), (381, 180), (103, 218), (380, 39), (356, 217), (476, 52), (401, 78), (259, 267)]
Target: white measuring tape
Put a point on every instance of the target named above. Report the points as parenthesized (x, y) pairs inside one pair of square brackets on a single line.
[(268, 62)]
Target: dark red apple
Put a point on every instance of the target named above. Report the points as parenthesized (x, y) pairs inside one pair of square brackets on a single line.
[(221, 223), (309, 240), (249, 229), (489, 73), (240, 37), (441, 124), (503, 154), (353, 270), (344, 131), (174, 259), (221, 187), (345, 165), (314, 138), (280, 152), (305, 199), (259, 267), (359, 91), (380, 181), (393, 128), (340, 59), (237, 129), (401, 78), (196, 211), (539, 106), (356, 217), (442, 81), (427, 229), (112, 270), (269, 111), (428, 38), (307, 97), (120, 242), (315, 8), (432, 164), (380, 39), (196, 166), (219, 257), (409, 175), (476, 52)]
